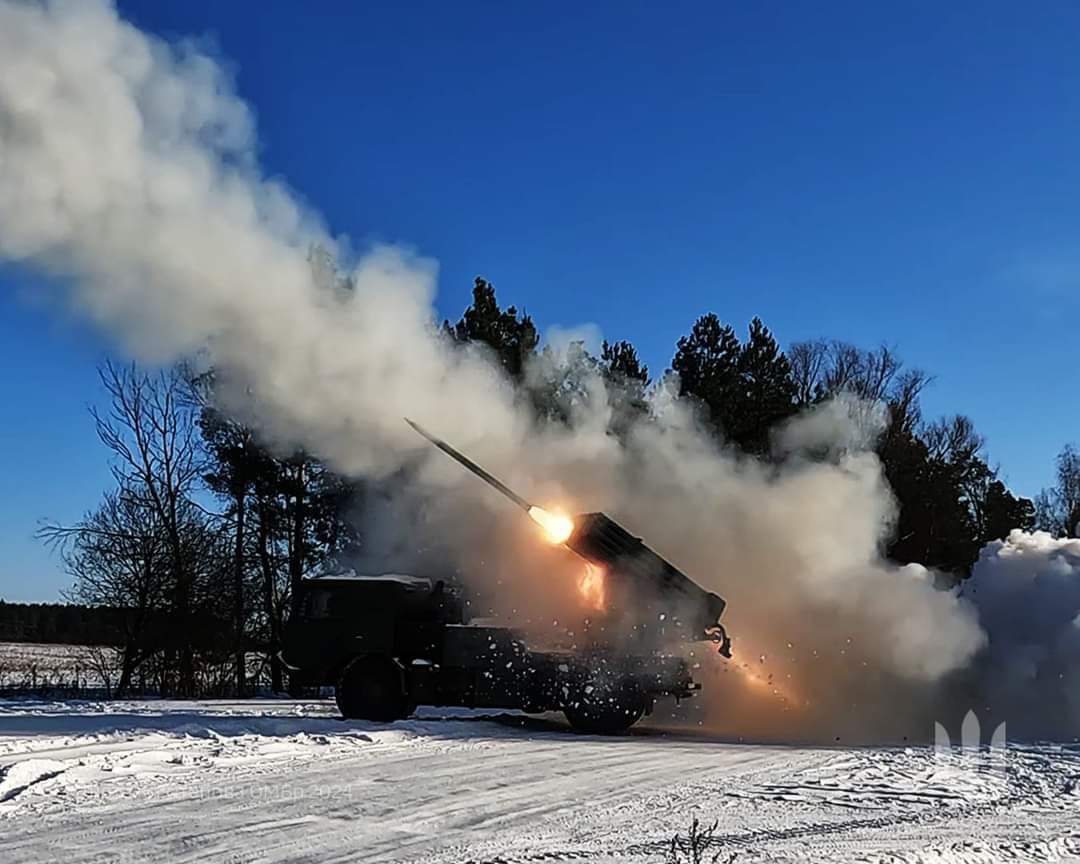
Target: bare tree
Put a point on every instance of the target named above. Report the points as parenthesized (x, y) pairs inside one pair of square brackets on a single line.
[(953, 440), (808, 363), (117, 559), (107, 664), (1058, 508), (149, 549), (825, 368), (150, 429)]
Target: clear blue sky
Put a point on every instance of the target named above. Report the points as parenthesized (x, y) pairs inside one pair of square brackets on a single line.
[(905, 173)]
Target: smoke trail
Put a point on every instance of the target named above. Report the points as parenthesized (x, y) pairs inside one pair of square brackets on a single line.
[(127, 171)]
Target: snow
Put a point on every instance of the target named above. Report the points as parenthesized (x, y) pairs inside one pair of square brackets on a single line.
[(281, 780)]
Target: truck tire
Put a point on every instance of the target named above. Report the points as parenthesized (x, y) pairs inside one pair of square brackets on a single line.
[(370, 688), (606, 710)]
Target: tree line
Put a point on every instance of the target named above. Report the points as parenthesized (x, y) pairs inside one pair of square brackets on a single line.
[(199, 545)]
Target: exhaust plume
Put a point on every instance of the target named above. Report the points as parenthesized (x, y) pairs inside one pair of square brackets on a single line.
[(128, 173)]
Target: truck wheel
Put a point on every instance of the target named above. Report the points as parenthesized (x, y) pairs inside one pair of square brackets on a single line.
[(606, 710), (370, 689)]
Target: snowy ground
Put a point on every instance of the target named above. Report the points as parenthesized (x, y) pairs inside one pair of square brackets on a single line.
[(263, 781)]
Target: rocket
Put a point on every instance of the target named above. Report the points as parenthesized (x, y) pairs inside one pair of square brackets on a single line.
[(490, 479)]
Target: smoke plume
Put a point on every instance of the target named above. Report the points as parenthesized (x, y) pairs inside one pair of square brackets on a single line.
[(128, 173), (1027, 592)]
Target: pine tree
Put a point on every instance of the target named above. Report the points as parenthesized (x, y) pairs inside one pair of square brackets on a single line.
[(513, 338), (707, 363), (621, 363), (766, 393)]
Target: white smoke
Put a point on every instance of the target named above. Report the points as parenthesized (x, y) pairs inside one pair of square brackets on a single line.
[(128, 165), (1027, 592), (128, 171)]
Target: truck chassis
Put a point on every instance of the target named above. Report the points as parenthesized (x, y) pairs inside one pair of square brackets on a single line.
[(391, 643)]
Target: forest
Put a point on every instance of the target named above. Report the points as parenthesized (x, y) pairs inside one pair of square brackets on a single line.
[(199, 545)]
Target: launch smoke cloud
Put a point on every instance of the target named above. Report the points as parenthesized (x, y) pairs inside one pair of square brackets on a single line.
[(128, 173)]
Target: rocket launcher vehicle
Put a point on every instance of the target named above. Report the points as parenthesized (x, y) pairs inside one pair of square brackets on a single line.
[(649, 598)]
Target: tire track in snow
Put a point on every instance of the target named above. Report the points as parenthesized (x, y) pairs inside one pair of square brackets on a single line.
[(444, 791)]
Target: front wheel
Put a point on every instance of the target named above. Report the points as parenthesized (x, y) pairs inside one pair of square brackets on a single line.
[(606, 710), (370, 688)]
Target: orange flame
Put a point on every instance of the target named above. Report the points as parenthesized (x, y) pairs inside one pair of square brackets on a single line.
[(591, 586), (557, 526)]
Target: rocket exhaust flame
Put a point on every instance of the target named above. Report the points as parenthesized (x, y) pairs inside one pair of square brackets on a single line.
[(557, 526), (591, 586)]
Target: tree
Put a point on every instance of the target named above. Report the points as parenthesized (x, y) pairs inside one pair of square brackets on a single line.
[(1058, 508), (621, 363), (117, 558), (150, 551), (767, 391), (627, 380), (746, 388), (823, 368), (707, 363), (951, 501), (150, 430), (1000, 512), (513, 338), (561, 384), (291, 515), (235, 462), (808, 363)]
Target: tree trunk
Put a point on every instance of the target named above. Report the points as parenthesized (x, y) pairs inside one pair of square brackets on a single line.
[(126, 670), (238, 592), (296, 553), (181, 630), (272, 613), (296, 547)]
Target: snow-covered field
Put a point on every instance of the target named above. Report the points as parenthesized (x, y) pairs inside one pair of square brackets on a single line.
[(262, 781), (19, 658), (31, 666)]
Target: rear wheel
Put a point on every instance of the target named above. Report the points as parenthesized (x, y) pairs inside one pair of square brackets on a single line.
[(606, 709), (370, 688)]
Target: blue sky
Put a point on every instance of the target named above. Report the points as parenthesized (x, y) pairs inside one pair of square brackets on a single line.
[(900, 173)]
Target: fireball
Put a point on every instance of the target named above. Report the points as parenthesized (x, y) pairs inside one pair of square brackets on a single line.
[(557, 526), (591, 587)]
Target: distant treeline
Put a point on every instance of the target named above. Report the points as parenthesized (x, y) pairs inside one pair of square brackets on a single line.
[(59, 623), (206, 595), (80, 624)]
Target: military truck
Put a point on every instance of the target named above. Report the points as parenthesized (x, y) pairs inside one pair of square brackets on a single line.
[(389, 643)]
